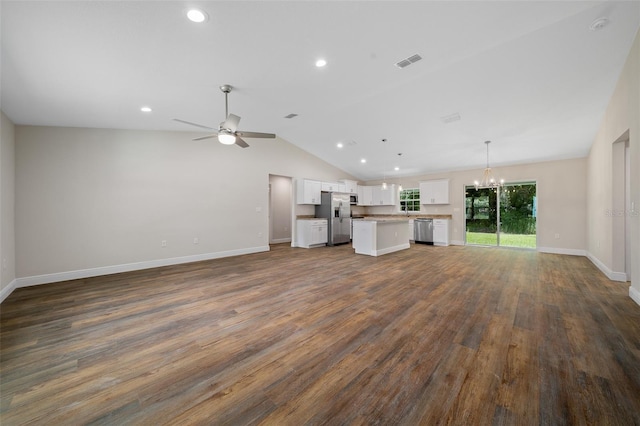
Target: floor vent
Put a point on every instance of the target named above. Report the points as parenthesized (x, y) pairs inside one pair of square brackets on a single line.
[(410, 60)]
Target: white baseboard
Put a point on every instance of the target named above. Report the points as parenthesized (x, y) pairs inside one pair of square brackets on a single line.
[(391, 249), (281, 240), (128, 267), (634, 294), (612, 275), (554, 250), (457, 243), (5, 292)]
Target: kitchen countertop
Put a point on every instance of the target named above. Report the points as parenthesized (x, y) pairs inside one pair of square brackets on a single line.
[(411, 216), (384, 219)]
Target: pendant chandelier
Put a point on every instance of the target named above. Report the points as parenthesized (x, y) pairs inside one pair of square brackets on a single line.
[(384, 173), (488, 181)]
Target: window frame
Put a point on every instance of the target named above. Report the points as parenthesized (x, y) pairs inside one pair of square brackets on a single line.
[(413, 202)]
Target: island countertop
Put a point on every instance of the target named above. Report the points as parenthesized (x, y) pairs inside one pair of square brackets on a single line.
[(383, 219), (409, 217)]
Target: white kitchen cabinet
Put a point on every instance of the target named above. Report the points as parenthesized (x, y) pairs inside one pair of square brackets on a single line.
[(311, 232), (434, 191), (383, 197), (440, 232), (333, 187), (350, 186), (308, 191), (376, 196), (388, 196), (365, 195)]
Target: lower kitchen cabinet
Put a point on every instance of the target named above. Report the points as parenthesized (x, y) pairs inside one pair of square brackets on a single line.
[(311, 232), (411, 237), (440, 232)]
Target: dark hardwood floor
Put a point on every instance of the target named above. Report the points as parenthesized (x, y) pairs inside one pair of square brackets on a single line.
[(430, 335)]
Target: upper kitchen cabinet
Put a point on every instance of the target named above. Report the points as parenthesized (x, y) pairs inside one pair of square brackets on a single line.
[(333, 187), (308, 191), (384, 197), (351, 186), (376, 196), (365, 195), (434, 191)]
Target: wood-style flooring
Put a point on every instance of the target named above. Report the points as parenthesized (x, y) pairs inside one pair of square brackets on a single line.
[(429, 335)]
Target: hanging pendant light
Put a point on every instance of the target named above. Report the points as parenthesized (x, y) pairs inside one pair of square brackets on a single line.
[(488, 181), (398, 169), (384, 174)]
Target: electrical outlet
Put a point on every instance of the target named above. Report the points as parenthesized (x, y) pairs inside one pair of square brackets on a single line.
[(258, 209), (557, 236), (163, 243), (259, 234), (196, 240)]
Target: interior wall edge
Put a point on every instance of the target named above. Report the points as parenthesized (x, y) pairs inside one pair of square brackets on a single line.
[(6, 291), (634, 295), (612, 275)]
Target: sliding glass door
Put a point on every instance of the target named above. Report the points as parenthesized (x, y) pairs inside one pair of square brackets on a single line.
[(502, 216), (518, 209), (482, 216)]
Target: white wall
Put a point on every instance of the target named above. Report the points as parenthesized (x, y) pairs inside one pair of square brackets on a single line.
[(622, 117), (89, 201), (561, 193), (7, 205)]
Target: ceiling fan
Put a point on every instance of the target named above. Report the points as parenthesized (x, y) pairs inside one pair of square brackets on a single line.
[(228, 132)]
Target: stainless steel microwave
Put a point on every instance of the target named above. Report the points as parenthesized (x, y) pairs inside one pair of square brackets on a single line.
[(353, 199)]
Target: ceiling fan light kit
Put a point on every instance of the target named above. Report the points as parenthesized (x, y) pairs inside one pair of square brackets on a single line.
[(488, 181), (226, 138), (228, 133)]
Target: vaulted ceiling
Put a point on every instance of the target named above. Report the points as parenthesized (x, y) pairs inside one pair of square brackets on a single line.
[(532, 77)]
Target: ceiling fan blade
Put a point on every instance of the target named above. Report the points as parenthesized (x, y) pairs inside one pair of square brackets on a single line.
[(241, 143), (205, 137), (193, 124), (255, 134), (231, 122)]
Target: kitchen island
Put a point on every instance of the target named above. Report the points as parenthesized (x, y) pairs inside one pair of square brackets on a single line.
[(375, 237)]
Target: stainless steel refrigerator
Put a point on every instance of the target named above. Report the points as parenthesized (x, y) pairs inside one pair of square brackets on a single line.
[(336, 208)]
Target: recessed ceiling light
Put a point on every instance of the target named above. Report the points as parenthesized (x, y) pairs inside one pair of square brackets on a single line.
[(321, 63), (339, 145), (196, 15), (396, 168), (145, 109), (363, 161)]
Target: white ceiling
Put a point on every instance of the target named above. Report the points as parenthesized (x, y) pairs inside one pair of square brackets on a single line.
[(529, 76)]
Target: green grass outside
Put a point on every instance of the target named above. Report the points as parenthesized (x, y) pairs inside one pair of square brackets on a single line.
[(506, 240)]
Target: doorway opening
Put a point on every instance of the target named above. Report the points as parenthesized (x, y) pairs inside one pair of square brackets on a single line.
[(280, 209), (504, 217)]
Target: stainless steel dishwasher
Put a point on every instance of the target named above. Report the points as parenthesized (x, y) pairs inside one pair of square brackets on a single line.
[(423, 231)]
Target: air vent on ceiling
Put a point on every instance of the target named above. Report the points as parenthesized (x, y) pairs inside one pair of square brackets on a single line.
[(290, 115), (408, 61), (450, 118)]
